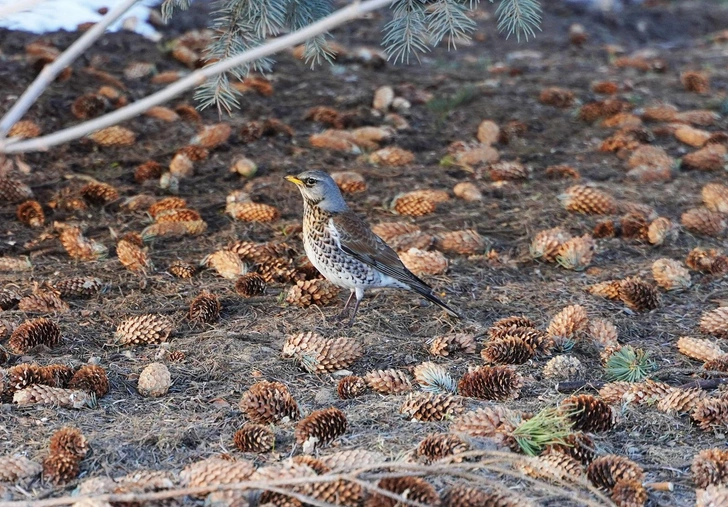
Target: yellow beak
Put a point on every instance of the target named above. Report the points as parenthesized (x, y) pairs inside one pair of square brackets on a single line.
[(294, 180)]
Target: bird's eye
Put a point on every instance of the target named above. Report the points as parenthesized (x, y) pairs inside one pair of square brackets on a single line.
[(309, 182)]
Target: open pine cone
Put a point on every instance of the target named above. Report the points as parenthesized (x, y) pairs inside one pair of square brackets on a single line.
[(430, 406), (321, 427), (491, 383), (268, 402), (588, 413)]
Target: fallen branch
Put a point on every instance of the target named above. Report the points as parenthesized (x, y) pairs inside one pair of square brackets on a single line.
[(570, 387), (353, 11), (50, 71)]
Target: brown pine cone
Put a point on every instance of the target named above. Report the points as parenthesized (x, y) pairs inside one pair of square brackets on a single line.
[(8, 299), (578, 445), (90, 378), (681, 401), (508, 323), (414, 489), (182, 269), (695, 81), (212, 136), (316, 464), (711, 496), (553, 467), (177, 215), (12, 190), (77, 287), (670, 274), (558, 172), (708, 158), (98, 193), (205, 308), (562, 367), (61, 468), (149, 170), (491, 383), (634, 226), (707, 261), (308, 292), (461, 495), (114, 136), (557, 97), (250, 285), (710, 467), (392, 156), (413, 204), (715, 322), (588, 200), (30, 213), (638, 294), (24, 129), (703, 221), (23, 375), (43, 302), (254, 438), (488, 422), (56, 375), (15, 264), (89, 105), (79, 247), (508, 171), (614, 392), (710, 412), (699, 348), (214, 471), (403, 237), (605, 229), (18, 468), (647, 392), (430, 406), (390, 381), (349, 182), (437, 446), (32, 333), (166, 204), (509, 350), (465, 242), (446, 344), (252, 212), (629, 493), (588, 413), (268, 402), (339, 492), (567, 326), (348, 460), (144, 330), (321, 427), (39, 394), (467, 191), (282, 270), (608, 289), (69, 441), (174, 229), (132, 257), (715, 197), (545, 245), (154, 380), (319, 355), (605, 471), (350, 387), (717, 364), (576, 253), (422, 262)]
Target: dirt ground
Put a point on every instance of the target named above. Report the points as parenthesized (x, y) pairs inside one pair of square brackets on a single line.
[(200, 414)]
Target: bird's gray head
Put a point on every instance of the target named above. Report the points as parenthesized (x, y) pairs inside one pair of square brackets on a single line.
[(319, 189)]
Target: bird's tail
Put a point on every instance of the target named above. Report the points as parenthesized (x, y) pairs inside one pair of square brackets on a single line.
[(429, 295)]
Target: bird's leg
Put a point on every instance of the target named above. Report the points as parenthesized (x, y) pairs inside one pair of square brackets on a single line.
[(344, 313), (359, 297)]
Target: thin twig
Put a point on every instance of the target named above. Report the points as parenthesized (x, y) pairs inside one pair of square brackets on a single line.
[(50, 71), (353, 11)]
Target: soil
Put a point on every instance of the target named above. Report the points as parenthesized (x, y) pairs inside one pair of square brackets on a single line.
[(199, 415)]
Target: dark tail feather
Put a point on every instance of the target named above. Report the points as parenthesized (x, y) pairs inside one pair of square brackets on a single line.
[(428, 295)]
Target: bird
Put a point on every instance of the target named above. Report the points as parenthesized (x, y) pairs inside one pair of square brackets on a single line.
[(342, 247)]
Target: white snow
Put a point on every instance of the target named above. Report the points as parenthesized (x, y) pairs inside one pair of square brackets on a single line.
[(51, 15)]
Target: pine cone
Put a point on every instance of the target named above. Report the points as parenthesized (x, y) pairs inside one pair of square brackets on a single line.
[(606, 471), (715, 322), (557, 97), (562, 368), (490, 422), (707, 261), (214, 471), (351, 387), (250, 285), (413, 204), (205, 308), (388, 231), (114, 136), (177, 215), (226, 263), (338, 492), (144, 330), (8, 299), (461, 495), (23, 375), (434, 378), (576, 253), (166, 204), (279, 270), (319, 355), (629, 493), (710, 412), (421, 262), (553, 467), (61, 468), (703, 221), (321, 427), (717, 364), (174, 229), (56, 375), (708, 158), (491, 383), (182, 269), (18, 468), (638, 294), (268, 402), (188, 113), (154, 380), (465, 242), (77, 287), (69, 441), (388, 381), (605, 229), (42, 302), (90, 378), (614, 392), (670, 274), (79, 247), (212, 136), (562, 172), (308, 292), (132, 257), (252, 212), (98, 193), (349, 182), (633, 226), (508, 350), (712, 496), (392, 156), (12, 190), (449, 343), (30, 213), (588, 200), (507, 171), (608, 289), (430, 406), (39, 394), (254, 438), (162, 113), (348, 460), (710, 468), (567, 326), (545, 245), (698, 348), (32, 333), (89, 105), (467, 191), (588, 413), (578, 445), (149, 170), (441, 445), (695, 81), (681, 401), (715, 197), (413, 489), (24, 129), (647, 392)]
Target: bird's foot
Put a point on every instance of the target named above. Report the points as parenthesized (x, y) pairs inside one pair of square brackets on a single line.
[(342, 315)]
